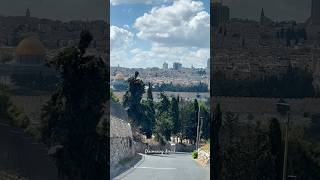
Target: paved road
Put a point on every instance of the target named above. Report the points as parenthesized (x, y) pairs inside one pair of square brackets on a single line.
[(177, 166)]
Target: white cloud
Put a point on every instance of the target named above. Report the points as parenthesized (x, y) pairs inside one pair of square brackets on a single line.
[(118, 2), (120, 38), (126, 26), (120, 41), (119, 57), (182, 24), (178, 32), (158, 55)]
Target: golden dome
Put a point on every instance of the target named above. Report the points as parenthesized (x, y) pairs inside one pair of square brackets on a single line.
[(30, 46), (119, 77)]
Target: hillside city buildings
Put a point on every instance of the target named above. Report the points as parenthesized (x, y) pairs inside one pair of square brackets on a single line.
[(158, 76), (248, 49), (27, 42), (181, 76)]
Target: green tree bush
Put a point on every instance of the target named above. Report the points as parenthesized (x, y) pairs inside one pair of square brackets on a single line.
[(71, 116), (195, 154)]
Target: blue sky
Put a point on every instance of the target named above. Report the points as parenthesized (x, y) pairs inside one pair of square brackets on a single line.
[(147, 33)]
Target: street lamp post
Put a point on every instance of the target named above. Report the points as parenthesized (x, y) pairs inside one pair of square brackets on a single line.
[(198, 127), (199, 132), (285, 161), (283, 108)]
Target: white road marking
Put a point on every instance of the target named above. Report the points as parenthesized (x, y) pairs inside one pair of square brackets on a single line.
[(155, 168)]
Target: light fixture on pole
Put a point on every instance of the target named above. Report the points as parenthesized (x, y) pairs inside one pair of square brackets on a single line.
[(197, 142), (200, 129), (283, 108)]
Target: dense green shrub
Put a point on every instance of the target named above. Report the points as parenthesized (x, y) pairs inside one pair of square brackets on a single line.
[(195, 154), (11, 113)]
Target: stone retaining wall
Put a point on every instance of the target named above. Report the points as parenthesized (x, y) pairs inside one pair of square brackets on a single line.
[(120, 148), (121, 141), (203, 157)]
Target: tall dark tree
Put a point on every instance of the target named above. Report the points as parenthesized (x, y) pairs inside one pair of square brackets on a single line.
[(313, 132), (132, 100), (164, 122), (164, 125), (150, 119), (263, 167), (216, 156), (231, 151), (204, 121), (175, 115), (189, 129), (276, 146), (164, 105), (70, 118)]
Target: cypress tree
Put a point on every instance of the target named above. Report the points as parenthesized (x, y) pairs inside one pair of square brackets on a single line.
[(175, 115), (132, 100), (276, 146), (216, 155), (150, 112)]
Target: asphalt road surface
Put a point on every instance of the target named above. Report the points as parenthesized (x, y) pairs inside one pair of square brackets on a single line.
[(175, 166)]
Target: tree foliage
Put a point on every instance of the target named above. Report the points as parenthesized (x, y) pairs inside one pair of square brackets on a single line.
[(190, 120), (147, 115), (175, 115), (276, 147), (255, 151), (201, 87), (164, 105), (150, 113), (215, 135), (294, 83), (164, 125), (132, 100), (71, 116), (10, 113), (141, 112)]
